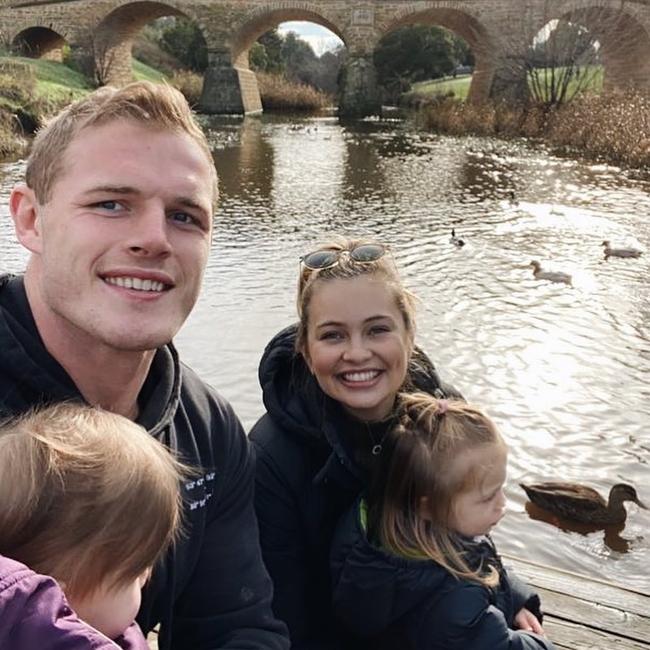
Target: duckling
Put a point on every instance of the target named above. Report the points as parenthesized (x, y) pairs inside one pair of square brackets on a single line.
[(581, 503), (619, 252), (456, 241), (553, 276)]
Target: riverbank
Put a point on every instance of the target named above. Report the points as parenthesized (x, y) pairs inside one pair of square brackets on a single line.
[(612, 127), (31, 90)]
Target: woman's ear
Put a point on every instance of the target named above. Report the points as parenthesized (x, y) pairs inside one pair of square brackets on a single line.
[(24, 209)]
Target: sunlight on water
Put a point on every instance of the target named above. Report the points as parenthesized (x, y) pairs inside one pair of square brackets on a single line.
[(564, 370)]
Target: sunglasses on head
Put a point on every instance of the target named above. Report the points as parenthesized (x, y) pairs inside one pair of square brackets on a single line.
[(325, 258)]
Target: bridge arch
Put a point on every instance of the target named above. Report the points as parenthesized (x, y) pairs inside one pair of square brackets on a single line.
[(114, 34), (623, 37), (464, 24), (258, 23), (39, 42), (230, 85)]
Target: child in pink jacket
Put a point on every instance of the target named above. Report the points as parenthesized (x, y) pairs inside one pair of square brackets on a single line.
[(89, 502)]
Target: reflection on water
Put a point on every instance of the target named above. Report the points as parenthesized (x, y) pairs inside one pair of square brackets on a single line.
[(563, 370)]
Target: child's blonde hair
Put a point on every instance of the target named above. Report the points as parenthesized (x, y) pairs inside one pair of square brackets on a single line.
[(415, 484), (86, 495)]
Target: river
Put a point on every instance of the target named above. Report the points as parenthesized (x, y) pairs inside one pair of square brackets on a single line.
[(563, 370)]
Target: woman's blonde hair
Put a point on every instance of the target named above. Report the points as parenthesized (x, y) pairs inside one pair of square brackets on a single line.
[(415, 483), (86, 496), (383, 269)]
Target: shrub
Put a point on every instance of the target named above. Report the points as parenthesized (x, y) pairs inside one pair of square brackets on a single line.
[(280, 94), (17, 83), (189, 83), (613, 127)]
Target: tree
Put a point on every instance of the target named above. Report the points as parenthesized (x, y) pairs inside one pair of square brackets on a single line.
[(562, 62), (564, 59), (293, 57), (184, 40), (266, 54), (417, 53), (299, 58)]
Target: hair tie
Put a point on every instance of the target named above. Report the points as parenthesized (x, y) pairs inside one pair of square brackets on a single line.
[(443, 405)]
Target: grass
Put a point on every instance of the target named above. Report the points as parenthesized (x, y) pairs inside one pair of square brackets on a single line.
[(459, 86), (56, 83), (612, 127), (144, 72), (592, 81)]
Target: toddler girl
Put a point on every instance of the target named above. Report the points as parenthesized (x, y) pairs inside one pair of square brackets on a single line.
[(413, 564)]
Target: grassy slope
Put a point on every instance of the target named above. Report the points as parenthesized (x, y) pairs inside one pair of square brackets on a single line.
[(58, 82), (460, 85), (55, 81), (141, 71)]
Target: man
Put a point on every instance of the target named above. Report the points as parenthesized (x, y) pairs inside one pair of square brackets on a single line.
[(116, 212)]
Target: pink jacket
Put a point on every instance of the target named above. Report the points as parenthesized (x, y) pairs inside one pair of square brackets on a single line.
[(35, 614)]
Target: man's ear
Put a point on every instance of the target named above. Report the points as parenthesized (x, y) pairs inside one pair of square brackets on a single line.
[(24, 210)]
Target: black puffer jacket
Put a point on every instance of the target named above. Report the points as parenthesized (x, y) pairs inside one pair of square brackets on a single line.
[(211, 591), (399, 603), (306, 478)]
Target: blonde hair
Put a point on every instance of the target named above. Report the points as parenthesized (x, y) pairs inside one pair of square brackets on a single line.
[(155, 106), (417, 470), (346, 268), (86, 495)]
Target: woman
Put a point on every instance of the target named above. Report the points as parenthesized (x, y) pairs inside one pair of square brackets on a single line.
[(329, 386)]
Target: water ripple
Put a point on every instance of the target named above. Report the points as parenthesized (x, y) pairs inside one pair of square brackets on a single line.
[(563, 370)]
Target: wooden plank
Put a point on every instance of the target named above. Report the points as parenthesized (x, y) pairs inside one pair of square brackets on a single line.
[(604, 593), (576, 610), (569, 636)]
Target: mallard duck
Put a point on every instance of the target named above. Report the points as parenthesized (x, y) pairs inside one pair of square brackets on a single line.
[(456, 241), (620, 252), (581, 503), (553, 276)]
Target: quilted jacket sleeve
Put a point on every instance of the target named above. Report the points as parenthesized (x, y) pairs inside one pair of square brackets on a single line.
[(466, 620)]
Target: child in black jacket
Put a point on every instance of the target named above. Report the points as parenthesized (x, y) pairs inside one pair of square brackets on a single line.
[(413, 565)]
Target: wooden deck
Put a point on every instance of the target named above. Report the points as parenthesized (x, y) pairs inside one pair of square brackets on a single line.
[(586, 614), (582, 613)]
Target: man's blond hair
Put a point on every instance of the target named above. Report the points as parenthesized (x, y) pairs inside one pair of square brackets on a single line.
[(87, 496), (155, 106)]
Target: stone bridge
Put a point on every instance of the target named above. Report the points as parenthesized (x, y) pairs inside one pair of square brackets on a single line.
[(497, 31)]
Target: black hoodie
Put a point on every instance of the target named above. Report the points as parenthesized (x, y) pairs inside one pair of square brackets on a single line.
[(211, 591), (400, 603), (306, 478)]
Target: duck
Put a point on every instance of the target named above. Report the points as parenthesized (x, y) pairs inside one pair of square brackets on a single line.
[(581, 503), (553, 276), (619, 252), (456, 241)]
